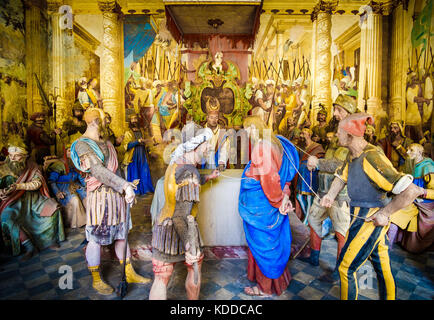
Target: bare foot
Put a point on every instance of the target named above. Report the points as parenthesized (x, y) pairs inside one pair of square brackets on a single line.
[(254, 291)]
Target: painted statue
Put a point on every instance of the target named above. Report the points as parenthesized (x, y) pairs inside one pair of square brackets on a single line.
[(73, 128), (175, 234), (320, 130), (29, 217), (369, 177), (69, 187), (219, 143), (106, 203), (38, 140), (416, 222), (338, 213), (136, 158), (395, 146), (307, 180), (108, 132), (264, 206)]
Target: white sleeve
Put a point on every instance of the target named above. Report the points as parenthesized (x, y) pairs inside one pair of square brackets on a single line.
[(402, 184)]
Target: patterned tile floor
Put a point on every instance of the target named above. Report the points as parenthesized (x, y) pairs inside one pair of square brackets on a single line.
[(223, 276)]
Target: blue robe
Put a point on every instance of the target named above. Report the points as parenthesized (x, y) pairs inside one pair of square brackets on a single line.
[(59, 181), (139, 169), (268, 233)]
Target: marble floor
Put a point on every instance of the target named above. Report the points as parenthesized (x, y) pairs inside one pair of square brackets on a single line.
[(223, 272)]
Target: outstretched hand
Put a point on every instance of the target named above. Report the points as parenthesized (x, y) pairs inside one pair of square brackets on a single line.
[(312, 163), (379, 219), (214, 174), (130, 195)]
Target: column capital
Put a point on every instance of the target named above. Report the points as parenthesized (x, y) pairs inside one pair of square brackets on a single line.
[(33, 3), (109, 6), (397, 3), (53, 6), (380, 7), (327, 6)]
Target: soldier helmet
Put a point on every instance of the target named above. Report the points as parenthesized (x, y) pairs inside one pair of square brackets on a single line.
[(346, 102)]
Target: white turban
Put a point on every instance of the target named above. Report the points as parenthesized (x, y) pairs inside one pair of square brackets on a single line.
[(269, 82), (15, 149), (83, 82), (299, 80), (204, 135), (156, 83)]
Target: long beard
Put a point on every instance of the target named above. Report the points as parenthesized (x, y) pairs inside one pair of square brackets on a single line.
[(302, 142), (17, 167)]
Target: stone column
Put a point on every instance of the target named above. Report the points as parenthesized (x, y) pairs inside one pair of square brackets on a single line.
[(371, 46), (313, 77), (58, 63), (34, 52), (323, 73), (362, 72), (374, 38), (111, 65), (399, 61)]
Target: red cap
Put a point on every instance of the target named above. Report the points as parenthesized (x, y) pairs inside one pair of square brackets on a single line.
[(355, 124)]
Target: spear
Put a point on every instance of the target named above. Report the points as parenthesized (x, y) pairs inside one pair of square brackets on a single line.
[(122, 288), (274, 93), (265, 67)]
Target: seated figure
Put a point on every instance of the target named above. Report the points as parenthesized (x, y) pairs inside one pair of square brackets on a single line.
[(29, 217), (413, 225), (69, 187)]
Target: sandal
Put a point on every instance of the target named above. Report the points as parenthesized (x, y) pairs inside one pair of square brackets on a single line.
[(254, 291)]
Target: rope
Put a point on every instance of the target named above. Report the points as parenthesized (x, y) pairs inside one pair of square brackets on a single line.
[(301, 176), (316, 195)]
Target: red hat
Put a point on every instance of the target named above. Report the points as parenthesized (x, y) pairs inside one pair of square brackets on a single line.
[(355, 124)]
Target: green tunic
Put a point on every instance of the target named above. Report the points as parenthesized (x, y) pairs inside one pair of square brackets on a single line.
[(25, 213)]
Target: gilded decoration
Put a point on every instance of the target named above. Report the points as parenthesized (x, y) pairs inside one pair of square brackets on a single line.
[(218, 78)]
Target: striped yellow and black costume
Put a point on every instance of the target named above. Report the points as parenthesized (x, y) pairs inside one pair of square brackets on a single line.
[(369, 178)]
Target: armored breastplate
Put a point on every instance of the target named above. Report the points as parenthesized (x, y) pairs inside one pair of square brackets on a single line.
[(360, 189)]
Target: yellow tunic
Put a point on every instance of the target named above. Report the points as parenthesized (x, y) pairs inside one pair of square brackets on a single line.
[(170, 189), (412, 115), (290, 103)]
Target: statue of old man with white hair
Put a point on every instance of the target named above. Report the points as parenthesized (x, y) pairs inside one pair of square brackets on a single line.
[(30, 218)]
